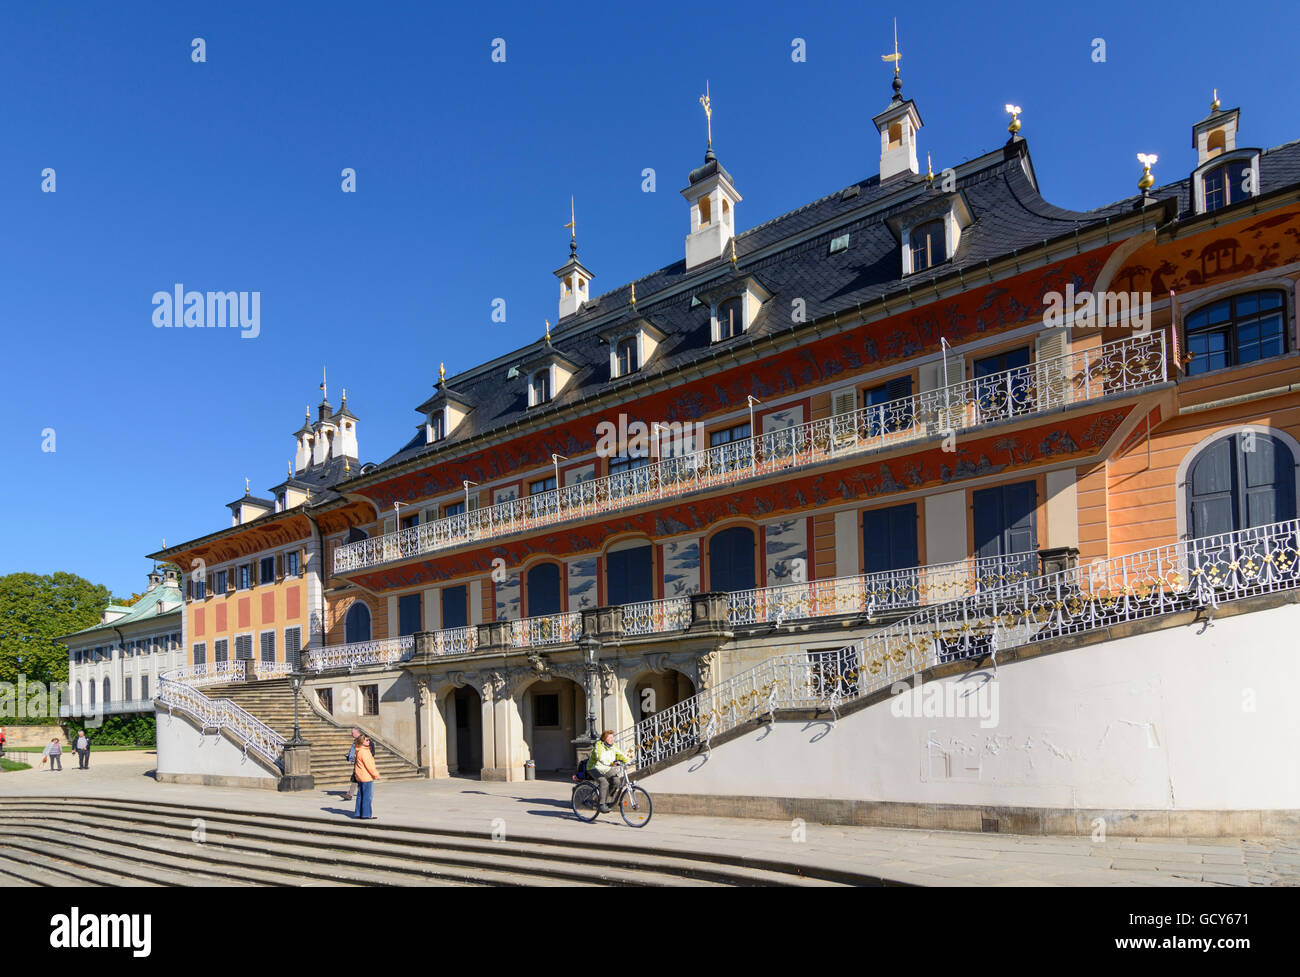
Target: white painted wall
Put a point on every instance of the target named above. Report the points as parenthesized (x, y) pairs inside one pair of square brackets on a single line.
[(183, 749), (1172, 720), (945, 527)]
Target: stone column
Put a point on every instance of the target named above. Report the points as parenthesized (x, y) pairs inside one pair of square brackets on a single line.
[(709, 612), (1058, 559)]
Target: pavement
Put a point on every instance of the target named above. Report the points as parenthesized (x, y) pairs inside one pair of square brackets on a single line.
[(540, 810)]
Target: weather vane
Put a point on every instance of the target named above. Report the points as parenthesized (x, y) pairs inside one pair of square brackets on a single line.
[(708, 110), (324, 394), (573, 222), (895, 57)]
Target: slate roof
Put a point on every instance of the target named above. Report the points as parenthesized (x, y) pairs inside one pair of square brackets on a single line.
[(1009, 215)]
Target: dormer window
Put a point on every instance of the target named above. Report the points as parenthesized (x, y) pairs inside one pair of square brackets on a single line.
[(540, 388), (731, 318), (706, 211), (437, 426), (926, 244), (1226, 184), (625, 356)]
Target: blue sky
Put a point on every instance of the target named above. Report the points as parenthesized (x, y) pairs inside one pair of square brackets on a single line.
[(225, 175)]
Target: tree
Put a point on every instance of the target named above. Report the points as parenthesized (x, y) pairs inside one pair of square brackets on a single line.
[(35, 611)]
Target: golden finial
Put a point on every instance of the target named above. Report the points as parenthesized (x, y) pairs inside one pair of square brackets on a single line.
[(548, 332), (1015, 111), (929, 170), (345, 396), (247, 490), (634, 295), (1147, 181), (708, 110), (324, 394), (1214, 106), (306, 415), (733, 251), (347, 466), (289, 469), (442, 373)]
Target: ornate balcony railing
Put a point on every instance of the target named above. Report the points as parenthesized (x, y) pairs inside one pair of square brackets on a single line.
[(1193, 574), (454, 641), (209, 673), (381, 651), (546, 629), (219, 714), (871, 593), (1124, 366), (657, 616)]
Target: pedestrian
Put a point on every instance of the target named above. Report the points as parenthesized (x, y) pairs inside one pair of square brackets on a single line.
[(53, 753), (366, 775), (2, 741), (83, 750), (352, 759)]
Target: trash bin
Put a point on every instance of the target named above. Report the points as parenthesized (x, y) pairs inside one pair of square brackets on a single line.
[(530, 770)]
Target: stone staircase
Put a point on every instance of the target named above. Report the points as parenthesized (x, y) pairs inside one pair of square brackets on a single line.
[(272, 702)]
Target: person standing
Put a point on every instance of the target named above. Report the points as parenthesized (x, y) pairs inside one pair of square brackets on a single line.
[(83, 750), (366, 774), (53, 753), (2, 741), (352, 759)]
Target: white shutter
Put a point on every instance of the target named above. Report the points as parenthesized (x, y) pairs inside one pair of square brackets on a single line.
[(930, 377), (844, 405), (1051, 375)]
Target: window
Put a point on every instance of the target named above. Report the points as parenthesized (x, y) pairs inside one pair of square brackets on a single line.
[(893, 406), (79, 696), (544, 485), (91, 686), (734, 458), (356, 625), (220, 586), (436, 428), (370, 700), (888, 546), (543, 505), (546, 710), (1235, 330), (455, 607), (1226, 184), (625, 357), (541, 391), (326, 699), (292, 564), (453, 509), (839, 244), (731, 318), (108, 692), (293, 646), (406, 522), (1240, 482), (126, 689), (1002, 384), (245, 577), (244, 647), (144, 686), (625, 463), (408, 614), (543, 583), (200, 654), (926, 245), (268, 646), (1005, 523), (199, 588), (629, 576), (731, 559), (706, 211), (220, 650), (268, 569)]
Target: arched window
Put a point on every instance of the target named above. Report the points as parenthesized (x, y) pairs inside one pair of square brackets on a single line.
[(731, 559), (731, 318), (544, 589), (78, 695), (541, 387), (1240, 481), (108, 694), (91, 686), (1238, 329), (706, 211), (895, 135), (629, 576), (927, 245), (356, 626), (1225, 184), (1215, 144)]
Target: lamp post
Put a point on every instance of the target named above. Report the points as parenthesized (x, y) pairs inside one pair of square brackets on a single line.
[(590, 646), (295, 681)]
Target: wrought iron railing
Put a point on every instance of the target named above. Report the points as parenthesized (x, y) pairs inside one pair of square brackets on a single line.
[(872, 593), (546, 629), (209, 673), (1124, 366), (381, 651), (1193, 574), (454, 641), (219, 714), (657, 616)]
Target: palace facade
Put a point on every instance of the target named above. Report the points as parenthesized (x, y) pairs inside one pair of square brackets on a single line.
[(904, 392)]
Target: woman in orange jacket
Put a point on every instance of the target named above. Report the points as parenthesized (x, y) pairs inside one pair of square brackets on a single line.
[(366, 774)]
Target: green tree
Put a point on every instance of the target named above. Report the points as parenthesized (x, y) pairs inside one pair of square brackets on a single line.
[(34, 611)]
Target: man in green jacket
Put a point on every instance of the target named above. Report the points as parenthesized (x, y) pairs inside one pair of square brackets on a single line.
[(600, 765)]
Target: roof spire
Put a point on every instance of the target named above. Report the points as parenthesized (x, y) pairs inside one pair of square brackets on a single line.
[(708, 118), (324, 394), (573, 230), (896, 58)]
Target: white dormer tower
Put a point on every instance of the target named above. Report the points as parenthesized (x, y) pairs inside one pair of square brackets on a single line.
[(898, 126), (1216, 134), (574, 281), (712, 198)]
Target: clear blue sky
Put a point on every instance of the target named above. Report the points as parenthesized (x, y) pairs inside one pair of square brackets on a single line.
[(226, 175)]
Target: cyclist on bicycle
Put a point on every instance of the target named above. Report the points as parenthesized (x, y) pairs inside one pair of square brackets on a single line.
[(601, 765)]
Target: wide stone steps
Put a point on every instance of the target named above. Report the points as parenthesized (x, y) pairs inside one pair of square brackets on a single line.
[(66, 841), (272, 702)]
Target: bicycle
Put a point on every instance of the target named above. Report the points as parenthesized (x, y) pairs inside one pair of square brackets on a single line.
[(633, 802)]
